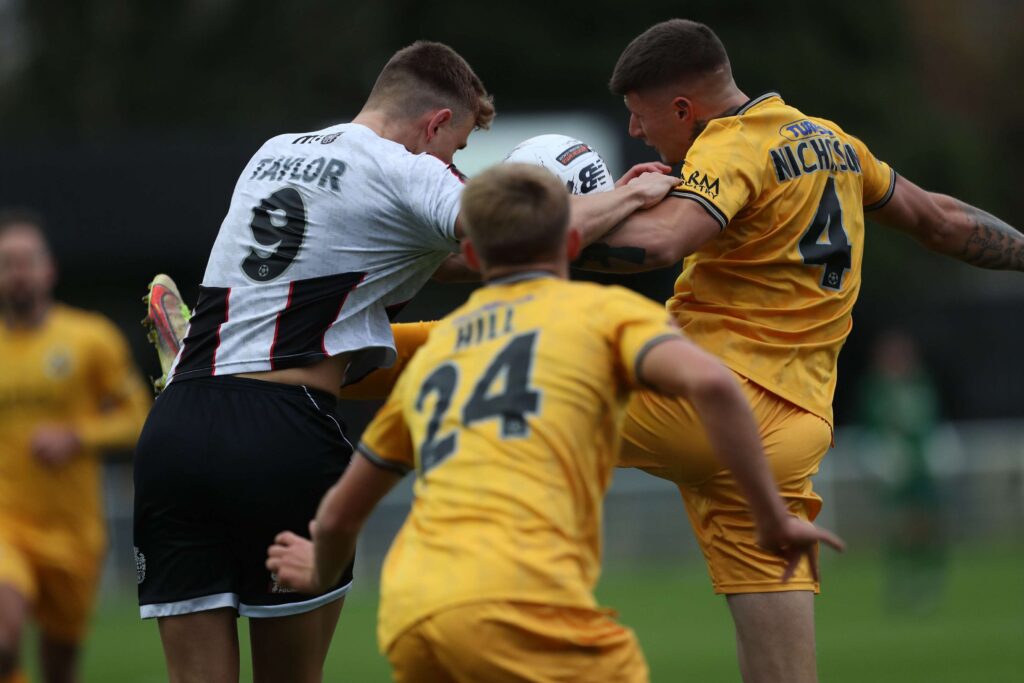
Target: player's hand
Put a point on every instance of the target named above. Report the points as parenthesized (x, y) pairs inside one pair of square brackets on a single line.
[(793, 539), (55, 445), (292, 561), (652, 187), (640, 169)]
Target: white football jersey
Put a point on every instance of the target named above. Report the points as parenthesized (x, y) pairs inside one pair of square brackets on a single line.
[(328, 234)]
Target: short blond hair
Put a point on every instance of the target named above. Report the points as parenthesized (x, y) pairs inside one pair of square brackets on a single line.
[(515, 214), (428, 75)]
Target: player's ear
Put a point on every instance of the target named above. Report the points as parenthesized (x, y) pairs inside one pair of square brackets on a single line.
[(469, 253), (50, 272), (573, 242), (439, 118), (682, 107)]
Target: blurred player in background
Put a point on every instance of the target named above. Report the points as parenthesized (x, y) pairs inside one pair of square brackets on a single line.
[(770, 213), (68, 391), (509, 415), (899, 415), (328, 234)]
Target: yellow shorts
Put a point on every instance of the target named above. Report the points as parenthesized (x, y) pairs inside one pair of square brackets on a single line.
[(663, 436), (502, 642), (376, 386), (58, 577)]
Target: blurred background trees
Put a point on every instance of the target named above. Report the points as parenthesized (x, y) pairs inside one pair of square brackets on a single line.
[(126, 123)]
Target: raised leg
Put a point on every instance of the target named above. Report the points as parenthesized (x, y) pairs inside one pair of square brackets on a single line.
[(775, 636)]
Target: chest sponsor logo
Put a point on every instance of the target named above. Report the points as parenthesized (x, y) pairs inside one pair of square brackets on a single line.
[(57, 364)]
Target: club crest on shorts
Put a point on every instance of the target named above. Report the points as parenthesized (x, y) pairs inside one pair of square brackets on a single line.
[(140, 566), (276, 587)]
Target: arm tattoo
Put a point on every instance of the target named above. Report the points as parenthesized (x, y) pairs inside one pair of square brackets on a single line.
[(601, 254), (991, 243)]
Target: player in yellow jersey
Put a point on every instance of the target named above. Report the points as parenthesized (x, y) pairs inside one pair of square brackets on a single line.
[(770, 215), (68, 390), (509, 415)]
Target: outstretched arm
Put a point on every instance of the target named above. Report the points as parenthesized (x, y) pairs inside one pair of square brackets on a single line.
[(678, 367), (594, 215), (952, 227), (655, 238)]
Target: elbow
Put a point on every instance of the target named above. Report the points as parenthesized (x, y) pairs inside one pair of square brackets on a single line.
[(338, 526), (941, 236), (663, 253), (938, 229), (712, 384)]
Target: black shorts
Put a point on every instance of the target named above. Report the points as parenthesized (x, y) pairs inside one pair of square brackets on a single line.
[(222, 466)]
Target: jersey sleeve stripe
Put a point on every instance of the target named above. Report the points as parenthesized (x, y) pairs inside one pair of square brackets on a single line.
[(382, 462), (715, 212), (887, 196), (644, 350)]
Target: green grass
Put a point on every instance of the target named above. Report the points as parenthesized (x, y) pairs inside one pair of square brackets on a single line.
[(975, 634)]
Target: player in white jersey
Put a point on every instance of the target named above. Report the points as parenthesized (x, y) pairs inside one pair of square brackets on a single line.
[(326, 235)]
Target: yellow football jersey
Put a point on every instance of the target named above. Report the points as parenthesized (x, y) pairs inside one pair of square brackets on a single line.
[(772, 295), (510, 417), (75, 370)]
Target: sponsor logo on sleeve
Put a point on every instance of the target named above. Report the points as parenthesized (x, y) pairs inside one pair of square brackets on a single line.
[(701, 182)]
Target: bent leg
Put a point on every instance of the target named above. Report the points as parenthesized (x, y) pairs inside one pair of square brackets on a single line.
[(13, 612), (293, 649), (201, 647), (663, 436), (775, 636), (58, 659), (67, 592), (18, 592)]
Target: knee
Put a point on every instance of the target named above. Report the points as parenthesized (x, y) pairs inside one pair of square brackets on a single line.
[(10, 643), (8, 660)]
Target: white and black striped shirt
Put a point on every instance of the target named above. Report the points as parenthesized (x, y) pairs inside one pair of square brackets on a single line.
[(327, 235)]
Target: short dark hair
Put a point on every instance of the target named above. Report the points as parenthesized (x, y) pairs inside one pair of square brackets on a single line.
[(21, 216), (667, 53), (428, 75), (515, 214)]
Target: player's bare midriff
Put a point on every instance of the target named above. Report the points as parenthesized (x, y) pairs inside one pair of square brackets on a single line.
[(325, 375)]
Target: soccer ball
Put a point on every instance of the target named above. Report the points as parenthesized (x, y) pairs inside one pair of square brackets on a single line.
[(581, 168)]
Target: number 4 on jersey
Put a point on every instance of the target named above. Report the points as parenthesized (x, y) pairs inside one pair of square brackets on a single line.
[(509, 401), (834, 254), (516, 400)]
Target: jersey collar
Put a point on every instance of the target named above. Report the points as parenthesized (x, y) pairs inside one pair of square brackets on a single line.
[(751, 103), (521, 277)]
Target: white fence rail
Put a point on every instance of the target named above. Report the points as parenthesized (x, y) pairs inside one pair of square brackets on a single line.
[(978, 468)]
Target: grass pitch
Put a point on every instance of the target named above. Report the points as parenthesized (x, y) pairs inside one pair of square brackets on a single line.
[(974, 634)]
